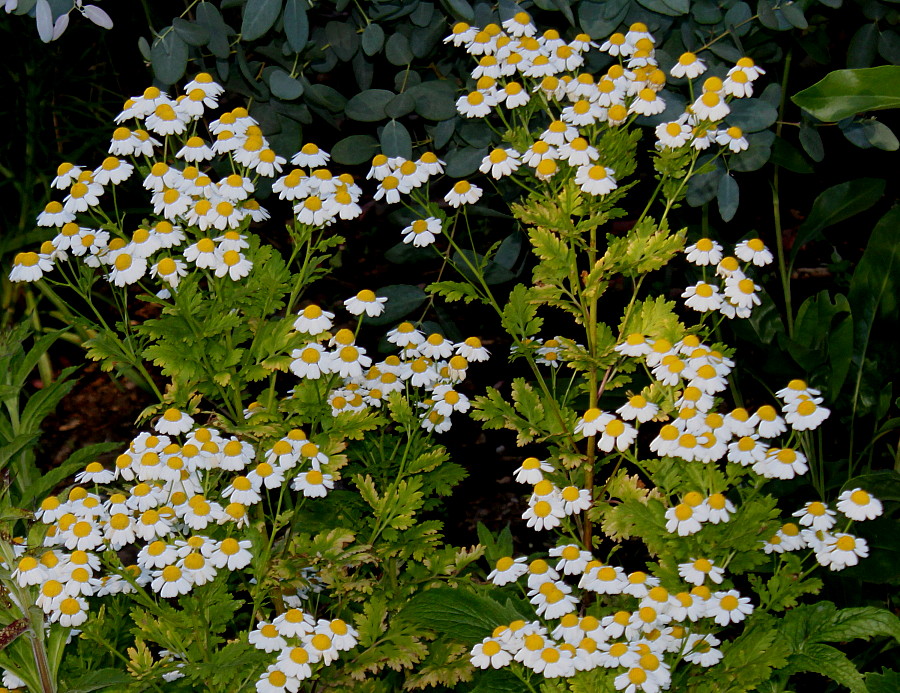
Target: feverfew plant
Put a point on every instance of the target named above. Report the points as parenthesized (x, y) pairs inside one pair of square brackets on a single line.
[(641, 435), (275, 492)]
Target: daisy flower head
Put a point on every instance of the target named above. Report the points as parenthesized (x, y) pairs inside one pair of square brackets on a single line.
[(805, 414), (532, 471), (733, 137), (575, 500), (729, 607), (755, 251), (701, 649), (768, 422), (29, 267), (311, 156), (638, 408), (841, 551), (500, 163), (507, 570), (616, 434), (698, 570), (489, 654), (463, 192), (673, 134), (472, 350), (313, 484), (689, 66), (647, 103), (545, 514), (365, 302), (595, 179), (710, 106), (422, 232), (702, 297), (859, 505), (704, 252), (617, 45), (473, 105), (593, 422), (313, 320), (683, 520), (817, 516), (782, 463), (169, 270)]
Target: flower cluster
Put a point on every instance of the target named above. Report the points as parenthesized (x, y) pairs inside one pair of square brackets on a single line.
[(661, 624), (658, 625), (520, 70), (303, 644), (737, 293), (431, 362)]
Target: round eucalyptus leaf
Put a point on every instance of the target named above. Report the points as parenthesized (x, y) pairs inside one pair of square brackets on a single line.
[(296, 24), (397, 50), (396, 141), (399, 106), (192, 33), (464, 161), (169, 56), (372, 39), (355, 150), (368, 106), (284, 86)]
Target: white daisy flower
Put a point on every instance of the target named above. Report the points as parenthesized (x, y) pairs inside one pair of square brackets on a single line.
[(859, 505), (462, 193), (689, 66)]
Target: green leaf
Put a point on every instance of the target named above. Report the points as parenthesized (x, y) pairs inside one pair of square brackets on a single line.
[(372, 39), (435, 99), (464, 161), (209, 16), (728, 197), (837, 203), (99, 679), (788, 156), (192, 33), (258, 17), (368, 106), (811, 141), (752, 115), (395, 140), (355, 150), (296, 24), (75, 463), (830, 662), (399, 106), (868, 133), (460, 9), (750, 658), (397, 50), (888, 681), (325, 96), (845, 93), (343, 39), (455, 291), (168, 57), (456, 613), (863, 46), (284, 86)]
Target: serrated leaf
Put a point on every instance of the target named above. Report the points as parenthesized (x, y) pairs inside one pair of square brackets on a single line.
[(456, 613)]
